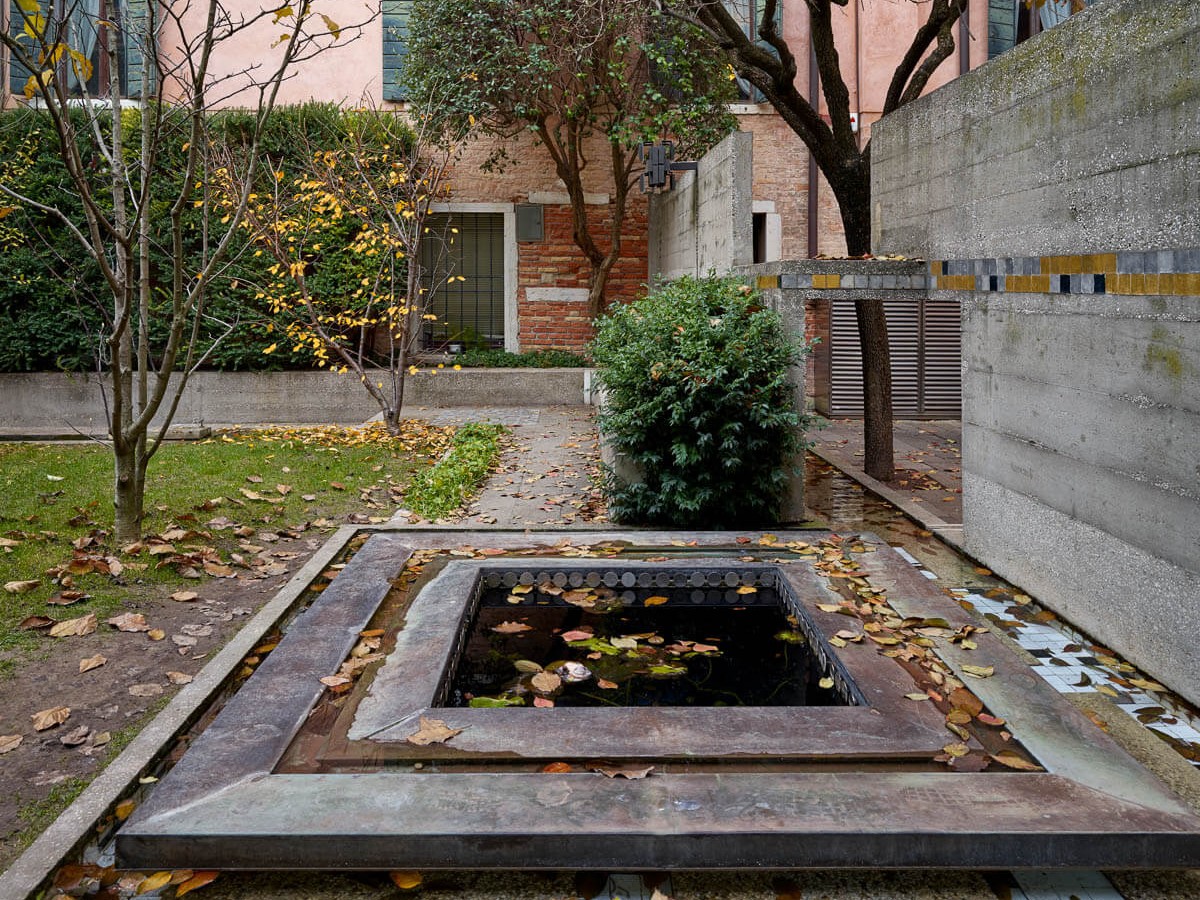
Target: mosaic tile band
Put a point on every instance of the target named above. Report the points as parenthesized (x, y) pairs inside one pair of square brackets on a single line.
[(1152, 272)]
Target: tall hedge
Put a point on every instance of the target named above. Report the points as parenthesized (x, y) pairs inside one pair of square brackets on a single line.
[(53, 302)]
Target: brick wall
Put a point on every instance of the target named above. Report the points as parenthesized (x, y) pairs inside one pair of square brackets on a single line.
[(552, 276)]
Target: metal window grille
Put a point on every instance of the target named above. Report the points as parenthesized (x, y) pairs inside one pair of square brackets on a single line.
[(463, 257)]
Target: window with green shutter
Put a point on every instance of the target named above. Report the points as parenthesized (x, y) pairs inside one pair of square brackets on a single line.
[(395, 47), (86, 26)]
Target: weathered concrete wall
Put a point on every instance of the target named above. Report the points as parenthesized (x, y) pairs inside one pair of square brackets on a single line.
[(59, 403), (1056, 189), (706, 222)]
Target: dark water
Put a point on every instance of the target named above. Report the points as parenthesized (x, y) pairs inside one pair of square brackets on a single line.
[(698, 648)]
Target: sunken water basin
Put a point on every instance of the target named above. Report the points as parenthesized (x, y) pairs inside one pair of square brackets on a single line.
[(760, 706)]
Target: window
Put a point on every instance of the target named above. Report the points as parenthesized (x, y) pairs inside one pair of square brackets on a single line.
[(1012, 21), (395, 47), (467, 247), (88, 26), (748, 13)]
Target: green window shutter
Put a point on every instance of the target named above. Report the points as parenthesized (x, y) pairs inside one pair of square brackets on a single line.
[(136, 36), (1002, 26), (395, 47), (18, 75)]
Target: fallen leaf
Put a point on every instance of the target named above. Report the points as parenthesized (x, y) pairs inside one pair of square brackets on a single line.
[(125, 809), (958, 716), (156, 634), (556, 768), (154, 882), (990, 720), (84, 625), (747, 589), (546, 682), (979, 671), (75, 737), (964, 699), (67, 598), (656, 600), (34, 623), (48, 718), (198, 880), (432, 731), (511, 628), (179, 678), (146, 690), (576, 635), (543, 702), (184, 596), (21, 587), (1014, 760), (406, 881), (631, 772), (527, 667), (92, 662), (917, 696), (131, 622), (825, 683), (606, 684), (10, 742), (335, 680), (956, 749)]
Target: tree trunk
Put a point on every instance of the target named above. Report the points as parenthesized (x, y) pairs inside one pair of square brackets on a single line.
[(854, 202), (128, 493)]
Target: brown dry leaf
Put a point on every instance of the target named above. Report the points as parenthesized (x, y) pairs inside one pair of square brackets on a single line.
[(335, 680), (21, 587), (1014, 760), (34, 623), (829, 607), (48, 718), (979, 671), (156, 634), (630, 772), (10, 742), (546, 682), (75, 627), (198, 880), (917, 696), (990, 720), (556, 768), (67, 598), (606, 684), (146, 690), (75, 737), (161, 549), (154, 882), (958, 716), (131, 622), (179, 678), (511, 628), (184, 596), (964, 699), (406, 881), (92, 662), (432, 731), (218, 570), (543, 703)]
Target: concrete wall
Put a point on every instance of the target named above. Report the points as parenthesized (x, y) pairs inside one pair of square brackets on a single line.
[(30, 404), (706, 222), (1056, 191)]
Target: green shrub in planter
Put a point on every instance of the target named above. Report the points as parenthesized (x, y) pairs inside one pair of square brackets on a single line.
[(698, 401)]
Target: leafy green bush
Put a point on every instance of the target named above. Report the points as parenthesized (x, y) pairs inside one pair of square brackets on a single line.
[(698, 401), (443, 488), (534, 359)]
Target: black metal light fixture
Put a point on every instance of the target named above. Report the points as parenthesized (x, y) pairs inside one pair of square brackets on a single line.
[(658, 160)]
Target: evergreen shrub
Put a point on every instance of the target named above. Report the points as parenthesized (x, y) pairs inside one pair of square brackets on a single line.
[(697, 399)]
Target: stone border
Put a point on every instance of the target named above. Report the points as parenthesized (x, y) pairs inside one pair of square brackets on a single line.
[(221, 808)]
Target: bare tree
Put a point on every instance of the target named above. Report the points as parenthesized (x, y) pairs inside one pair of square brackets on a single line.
[(133, 208), (763, 58)]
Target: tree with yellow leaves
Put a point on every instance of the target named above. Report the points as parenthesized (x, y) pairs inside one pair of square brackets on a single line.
[(374, 188)]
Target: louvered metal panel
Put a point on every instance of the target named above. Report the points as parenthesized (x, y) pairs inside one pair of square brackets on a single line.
[(924, 339)]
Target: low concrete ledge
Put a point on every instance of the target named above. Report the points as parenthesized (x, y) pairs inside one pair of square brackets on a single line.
[(66, 404)]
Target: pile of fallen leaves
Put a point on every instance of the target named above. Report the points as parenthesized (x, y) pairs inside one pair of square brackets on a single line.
[(416, 435)]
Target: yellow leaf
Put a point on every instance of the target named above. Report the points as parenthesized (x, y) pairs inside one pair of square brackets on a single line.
[(825, 683), (125, 809), (154, 882), (199, 880), (654, 601), (283, 12), (334, 28), (406, 880), (81, 65), (28, 6), (979, 671)]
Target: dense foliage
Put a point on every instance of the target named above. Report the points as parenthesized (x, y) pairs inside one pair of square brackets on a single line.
[(697, 399), (53, 304), (438, 491)]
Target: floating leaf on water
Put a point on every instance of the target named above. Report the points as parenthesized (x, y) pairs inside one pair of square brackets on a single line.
[(623, 643), (790, 637), (606, 684), (576, 635), (406, 881), (511, 628), (705, 648), (747, 589), (527, 666), (522, 589), (432, 731), (543, 702), (546, 682), (656, 600), (666, 670), (496, 702), (596, 645), (825, 683)]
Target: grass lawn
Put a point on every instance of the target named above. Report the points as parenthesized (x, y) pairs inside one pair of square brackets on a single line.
[(56, 509)]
